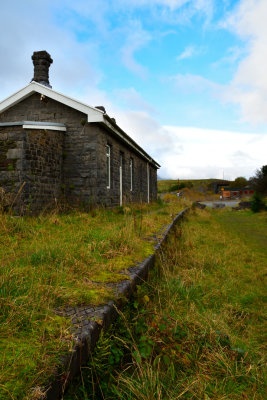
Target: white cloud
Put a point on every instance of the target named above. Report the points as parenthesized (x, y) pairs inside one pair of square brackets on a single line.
[(248, 88), (189, 152), (188, 52), (172, 12), (203, 6), (136, 38), (148, 133), (133, 99), (233, 55), (190, 83), (209, 153), (21, 34)]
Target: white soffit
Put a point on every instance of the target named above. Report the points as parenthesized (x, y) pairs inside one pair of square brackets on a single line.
[(47, 127)]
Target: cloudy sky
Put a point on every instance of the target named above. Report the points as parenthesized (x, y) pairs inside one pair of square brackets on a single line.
[(187, 79)]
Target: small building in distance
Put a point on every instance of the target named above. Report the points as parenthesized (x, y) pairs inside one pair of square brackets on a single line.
[(52, 145), (237, 193)]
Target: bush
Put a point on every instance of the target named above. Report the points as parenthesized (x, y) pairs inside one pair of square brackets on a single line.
[(257, 203), (259, 181), (174, 187), (239, 182)]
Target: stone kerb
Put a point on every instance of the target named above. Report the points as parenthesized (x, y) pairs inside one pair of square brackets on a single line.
[(87, 321)]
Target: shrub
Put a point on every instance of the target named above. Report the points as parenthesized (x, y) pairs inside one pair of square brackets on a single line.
[(259, 181), (257, 203), (239, 182), (174, 187)]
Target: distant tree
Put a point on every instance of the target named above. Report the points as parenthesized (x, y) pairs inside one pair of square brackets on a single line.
[(259, 181), (239, 182)]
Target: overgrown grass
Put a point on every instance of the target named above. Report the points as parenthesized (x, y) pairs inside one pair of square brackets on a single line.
[(57, 260), (196, 329)]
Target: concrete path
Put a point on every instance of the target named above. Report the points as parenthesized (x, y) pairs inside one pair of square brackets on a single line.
[(227, 203)]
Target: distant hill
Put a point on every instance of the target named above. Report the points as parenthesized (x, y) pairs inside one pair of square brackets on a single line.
[(171, 185)]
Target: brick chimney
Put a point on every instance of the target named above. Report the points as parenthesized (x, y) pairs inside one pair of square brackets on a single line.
[(41, 61)]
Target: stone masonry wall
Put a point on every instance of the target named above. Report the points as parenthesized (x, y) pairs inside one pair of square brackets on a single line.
[(11, 164), (43, 167), (30, 167)]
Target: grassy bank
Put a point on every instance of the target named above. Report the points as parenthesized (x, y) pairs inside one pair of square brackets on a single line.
[(56, 260), (196, 329)]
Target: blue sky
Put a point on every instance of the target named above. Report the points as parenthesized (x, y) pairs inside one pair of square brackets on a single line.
[(185, 78)]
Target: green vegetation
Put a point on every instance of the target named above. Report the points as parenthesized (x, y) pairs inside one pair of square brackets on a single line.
[(250, 227), (259, 181), (196, 329), (56, 260), (169, 185), (257, 203), (239, 182)]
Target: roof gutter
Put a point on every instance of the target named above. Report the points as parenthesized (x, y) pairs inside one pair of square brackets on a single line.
[(107, 121)]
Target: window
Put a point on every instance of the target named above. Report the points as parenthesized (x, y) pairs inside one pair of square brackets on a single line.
[(148, 182), (108, 165), (121, 173), (131, 174)]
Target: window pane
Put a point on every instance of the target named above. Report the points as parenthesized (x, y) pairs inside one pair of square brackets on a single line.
[(108, 165), (131, 174)]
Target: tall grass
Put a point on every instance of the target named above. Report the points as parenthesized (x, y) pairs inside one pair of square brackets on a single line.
[(53, 261), (195, 330)]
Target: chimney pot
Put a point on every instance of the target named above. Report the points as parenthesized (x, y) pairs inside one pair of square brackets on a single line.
[(41, 61), (101, 108)]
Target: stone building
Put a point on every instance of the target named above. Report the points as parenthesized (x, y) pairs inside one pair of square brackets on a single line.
[(52, 145)]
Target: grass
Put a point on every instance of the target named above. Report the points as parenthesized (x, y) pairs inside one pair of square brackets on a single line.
[(250, 227), (52, 261), (196, 329)]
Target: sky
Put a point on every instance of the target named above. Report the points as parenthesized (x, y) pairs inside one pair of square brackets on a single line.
[(186, 79)]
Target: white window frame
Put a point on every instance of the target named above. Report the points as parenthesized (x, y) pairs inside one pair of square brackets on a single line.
[(131, 174), (108, 153), (121, 173), (148, 182)]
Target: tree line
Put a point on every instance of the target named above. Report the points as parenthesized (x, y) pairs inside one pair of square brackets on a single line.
[(258, 182)]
